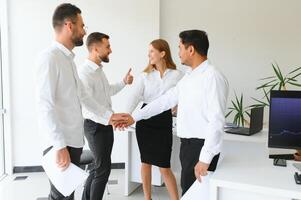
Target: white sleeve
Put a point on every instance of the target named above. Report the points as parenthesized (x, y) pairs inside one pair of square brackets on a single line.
[(115, 88), (162, 103), (85, 89), (136, 94), (217, 94), (47, 80)]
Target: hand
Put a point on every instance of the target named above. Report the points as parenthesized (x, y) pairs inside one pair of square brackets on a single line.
[(123, 125), (63, 158), (119, 119), (200, 169), (128, 79)]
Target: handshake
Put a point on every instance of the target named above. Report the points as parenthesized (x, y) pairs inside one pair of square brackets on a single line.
[(121, 121)]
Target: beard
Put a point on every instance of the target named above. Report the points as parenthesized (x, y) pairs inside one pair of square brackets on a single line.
[(105, 59), (77, 40)]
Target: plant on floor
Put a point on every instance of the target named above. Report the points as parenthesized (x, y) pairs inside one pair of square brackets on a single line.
[(239, 110), (277, 81)]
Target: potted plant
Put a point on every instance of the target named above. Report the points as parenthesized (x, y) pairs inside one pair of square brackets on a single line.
[(278, 81), (240, 111)]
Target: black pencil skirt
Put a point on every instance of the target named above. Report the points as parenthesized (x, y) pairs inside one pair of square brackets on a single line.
[(154, 137)]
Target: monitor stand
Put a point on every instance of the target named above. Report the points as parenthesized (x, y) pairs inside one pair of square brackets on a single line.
[(279, 162)]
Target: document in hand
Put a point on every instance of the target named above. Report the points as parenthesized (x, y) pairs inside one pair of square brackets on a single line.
[(199, 190), (64, 181)]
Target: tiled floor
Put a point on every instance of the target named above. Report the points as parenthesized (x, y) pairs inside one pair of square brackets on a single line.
[(37, 186)]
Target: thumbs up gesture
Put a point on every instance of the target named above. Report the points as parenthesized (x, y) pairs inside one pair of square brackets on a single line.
[(128, 79)]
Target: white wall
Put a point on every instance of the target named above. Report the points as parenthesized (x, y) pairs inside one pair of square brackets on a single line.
[(245, 36), (131, 24)]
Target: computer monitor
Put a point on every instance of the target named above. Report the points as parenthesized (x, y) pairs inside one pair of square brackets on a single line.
[(285, 120)]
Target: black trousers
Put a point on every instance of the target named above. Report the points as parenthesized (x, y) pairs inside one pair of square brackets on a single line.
[(100, 139), (189, 157), (75, 158)]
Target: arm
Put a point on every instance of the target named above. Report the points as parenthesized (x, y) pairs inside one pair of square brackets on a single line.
[(162, 103), (127, 80), (115, 88), (136, 94), (216, 101), (47, 78)]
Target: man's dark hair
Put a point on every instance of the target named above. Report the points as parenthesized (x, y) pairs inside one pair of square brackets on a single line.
[(197, 38), (63, 12), (95, 37)]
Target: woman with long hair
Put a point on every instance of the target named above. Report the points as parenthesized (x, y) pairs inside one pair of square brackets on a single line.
[(154, 135)]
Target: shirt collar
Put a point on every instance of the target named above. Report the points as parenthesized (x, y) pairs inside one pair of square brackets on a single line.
[(199, 69), (93, 65), (66, 51), (165, 72)]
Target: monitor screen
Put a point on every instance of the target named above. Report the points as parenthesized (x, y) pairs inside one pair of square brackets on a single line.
[(285, 120)]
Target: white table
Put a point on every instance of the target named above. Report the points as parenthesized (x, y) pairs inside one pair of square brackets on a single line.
[(247, 173)]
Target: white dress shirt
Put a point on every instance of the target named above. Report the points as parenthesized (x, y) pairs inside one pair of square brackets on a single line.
[(201, 96), (149, 86), (59, 93), (98, 87)]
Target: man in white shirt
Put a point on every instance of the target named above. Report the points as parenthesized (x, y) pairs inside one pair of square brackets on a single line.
[(201, 96), (99, 133), (59, 92)]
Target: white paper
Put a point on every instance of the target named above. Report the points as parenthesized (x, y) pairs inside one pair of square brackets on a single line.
[(64, 181), (199, 190)]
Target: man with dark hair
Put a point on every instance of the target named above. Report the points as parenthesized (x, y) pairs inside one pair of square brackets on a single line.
[(201, 96), (98, 132), (59, 93)]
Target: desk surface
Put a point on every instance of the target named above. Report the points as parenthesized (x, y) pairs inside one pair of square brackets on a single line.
[(246, 166), (261, 137)]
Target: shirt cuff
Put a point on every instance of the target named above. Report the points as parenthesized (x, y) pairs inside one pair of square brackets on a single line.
[(206, 157), (60, 144), (136, 116), (107, 117)]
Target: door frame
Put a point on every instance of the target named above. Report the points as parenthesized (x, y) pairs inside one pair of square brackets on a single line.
[(6, 96)]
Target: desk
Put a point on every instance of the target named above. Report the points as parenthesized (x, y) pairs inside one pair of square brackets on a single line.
[(261, 137), (245, 170), (246, 173)]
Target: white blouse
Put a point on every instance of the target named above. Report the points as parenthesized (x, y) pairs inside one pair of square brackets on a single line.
[(149, 86)]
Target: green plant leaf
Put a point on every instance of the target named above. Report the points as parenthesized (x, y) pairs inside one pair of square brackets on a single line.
[(266, 95), (236, 108), (241, 100), (295, 70), (267, 78), (235, 119), (261, 102), (256, 105), (278, 73), (242, 120), (228, 113), (290, 79), (295, 84), (297, 75), (266, 84)]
